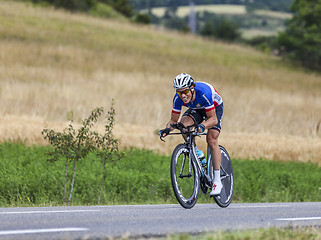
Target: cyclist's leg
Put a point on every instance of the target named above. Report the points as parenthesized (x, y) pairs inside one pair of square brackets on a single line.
[(212, 141), (212, 138), (191, 117), (187, 120)]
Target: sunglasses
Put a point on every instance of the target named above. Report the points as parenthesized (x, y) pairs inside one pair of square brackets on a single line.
[(185, 92)]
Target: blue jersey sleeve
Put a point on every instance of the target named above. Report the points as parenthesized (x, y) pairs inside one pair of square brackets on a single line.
[(177, 104)]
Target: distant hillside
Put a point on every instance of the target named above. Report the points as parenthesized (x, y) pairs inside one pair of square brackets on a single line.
[(259, 22), (54, 62)]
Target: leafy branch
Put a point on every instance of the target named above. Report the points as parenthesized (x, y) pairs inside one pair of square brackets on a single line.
[(74, 145)]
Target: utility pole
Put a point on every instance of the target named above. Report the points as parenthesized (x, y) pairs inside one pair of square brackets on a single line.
[(192, 17)]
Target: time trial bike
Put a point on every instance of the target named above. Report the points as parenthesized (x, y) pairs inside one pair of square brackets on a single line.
[(189, 174)]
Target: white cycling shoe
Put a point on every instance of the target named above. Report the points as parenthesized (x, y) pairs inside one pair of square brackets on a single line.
[(216, 189)]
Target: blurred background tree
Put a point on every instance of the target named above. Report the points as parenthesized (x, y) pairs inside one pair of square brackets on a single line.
[(301, 40)]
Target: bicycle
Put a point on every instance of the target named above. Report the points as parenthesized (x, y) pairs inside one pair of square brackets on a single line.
[(188, 174)]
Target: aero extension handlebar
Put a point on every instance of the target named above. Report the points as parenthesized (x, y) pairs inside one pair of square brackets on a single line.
[(189, 130)]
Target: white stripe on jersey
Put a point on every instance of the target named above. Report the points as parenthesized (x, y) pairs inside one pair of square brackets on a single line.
[(215, 96)]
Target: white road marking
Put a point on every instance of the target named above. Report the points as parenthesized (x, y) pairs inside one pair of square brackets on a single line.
[(60, 211), (299, 219), (11, 232)]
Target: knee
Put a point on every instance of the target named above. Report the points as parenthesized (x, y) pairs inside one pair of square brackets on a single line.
[(187, 121), (212, 142)]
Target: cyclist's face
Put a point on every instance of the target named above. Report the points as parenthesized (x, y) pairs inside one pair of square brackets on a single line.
[(185, 94)]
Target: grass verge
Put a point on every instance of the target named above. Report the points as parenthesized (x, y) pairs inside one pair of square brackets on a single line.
[(309, 233), (28, 179)]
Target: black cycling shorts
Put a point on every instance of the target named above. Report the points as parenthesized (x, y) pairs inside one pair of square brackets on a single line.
[(199, 115)]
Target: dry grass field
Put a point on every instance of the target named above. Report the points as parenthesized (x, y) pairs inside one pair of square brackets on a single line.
[(53, 62)]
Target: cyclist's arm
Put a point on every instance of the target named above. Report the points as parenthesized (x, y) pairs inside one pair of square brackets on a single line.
[(174, 119)]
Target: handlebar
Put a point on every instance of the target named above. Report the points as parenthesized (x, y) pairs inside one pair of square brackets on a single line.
[(188, 130)]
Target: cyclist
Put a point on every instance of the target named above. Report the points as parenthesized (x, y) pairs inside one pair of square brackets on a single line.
[(205, 108)]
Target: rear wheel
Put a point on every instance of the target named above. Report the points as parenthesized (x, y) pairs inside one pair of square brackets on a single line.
[(185, 177), (227, 178)]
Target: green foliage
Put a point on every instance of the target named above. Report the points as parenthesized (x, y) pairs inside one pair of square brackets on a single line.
[(72, 5), (225, 30), (263, 43), (97, 7), (143, 18), (107, 145), (73, 146), (104, 10), (302, 39), (273, 5), (121, 6), (172, 21), (27, 178), (288, 233), (268, 181)]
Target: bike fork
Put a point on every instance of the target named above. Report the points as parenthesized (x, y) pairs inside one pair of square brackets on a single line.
[(190, 169)]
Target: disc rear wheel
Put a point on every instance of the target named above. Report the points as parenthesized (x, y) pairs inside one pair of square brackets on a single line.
[(227, 178)]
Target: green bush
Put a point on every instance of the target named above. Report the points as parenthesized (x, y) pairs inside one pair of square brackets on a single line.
[(224, 29), (143, 18), (104, 10)]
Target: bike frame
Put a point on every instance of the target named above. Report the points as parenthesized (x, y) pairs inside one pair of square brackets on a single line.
[(190, 135), (192, 146)]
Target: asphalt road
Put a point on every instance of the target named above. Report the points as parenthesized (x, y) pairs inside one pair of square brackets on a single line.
[(101, 222)]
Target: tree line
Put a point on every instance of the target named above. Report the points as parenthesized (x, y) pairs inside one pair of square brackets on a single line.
[(301, 40), (121, 6), (274, 5)]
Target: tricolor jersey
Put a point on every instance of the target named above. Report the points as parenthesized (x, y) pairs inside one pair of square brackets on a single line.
[(206, 98)]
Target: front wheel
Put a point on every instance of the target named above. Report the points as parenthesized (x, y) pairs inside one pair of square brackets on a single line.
[(227, 178), (184, 176)]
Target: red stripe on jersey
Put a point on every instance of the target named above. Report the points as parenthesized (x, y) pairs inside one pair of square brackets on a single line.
[(209, 109), (174, 111)]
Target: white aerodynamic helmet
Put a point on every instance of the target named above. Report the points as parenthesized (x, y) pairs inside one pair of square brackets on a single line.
[(183, 80)]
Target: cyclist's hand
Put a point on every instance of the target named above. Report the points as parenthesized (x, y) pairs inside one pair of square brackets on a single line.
[(164, 132), (200, 128)]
